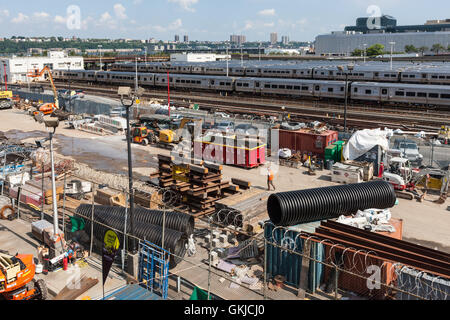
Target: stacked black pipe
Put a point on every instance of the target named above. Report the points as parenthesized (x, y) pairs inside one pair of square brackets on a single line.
[(297, 207), (174, 240), (174, 220)]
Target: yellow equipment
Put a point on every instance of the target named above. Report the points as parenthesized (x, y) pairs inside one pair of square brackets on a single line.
[(47, 108), (169, 136)]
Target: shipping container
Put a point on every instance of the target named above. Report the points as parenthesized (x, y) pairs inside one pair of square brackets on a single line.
[(307, 141), (247, 153)]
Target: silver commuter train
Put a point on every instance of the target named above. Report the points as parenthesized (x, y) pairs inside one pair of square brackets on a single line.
[(377, 92)]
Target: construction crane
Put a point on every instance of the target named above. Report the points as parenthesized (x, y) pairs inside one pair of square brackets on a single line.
[(47, 108)]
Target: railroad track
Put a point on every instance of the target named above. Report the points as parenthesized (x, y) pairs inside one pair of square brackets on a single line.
[(357, 116)]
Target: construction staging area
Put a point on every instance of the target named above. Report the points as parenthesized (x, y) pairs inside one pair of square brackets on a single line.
[(229, 198)]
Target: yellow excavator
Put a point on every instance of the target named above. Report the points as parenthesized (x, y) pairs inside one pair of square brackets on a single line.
[(46, 108)]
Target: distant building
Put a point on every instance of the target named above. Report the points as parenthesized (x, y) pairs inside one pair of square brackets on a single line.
[(236, 39), (383, 30), (273, 38), (186, 39), (17, 68), (177, 38), (197, 57), (285, 40), (388, 24)]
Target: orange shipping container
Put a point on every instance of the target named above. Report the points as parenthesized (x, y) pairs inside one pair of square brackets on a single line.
[(307, 141)]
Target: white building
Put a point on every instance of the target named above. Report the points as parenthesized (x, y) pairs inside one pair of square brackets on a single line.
[(17, 68), (342, 43), (196, 57)]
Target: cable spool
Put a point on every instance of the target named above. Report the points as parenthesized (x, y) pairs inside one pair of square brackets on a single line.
[(304, 206)]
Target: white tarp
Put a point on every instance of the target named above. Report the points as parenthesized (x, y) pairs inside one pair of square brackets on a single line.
[(364, 140)]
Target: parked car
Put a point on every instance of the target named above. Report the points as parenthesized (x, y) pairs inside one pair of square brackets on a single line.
[(409, 150), (246, 129), (118, 112), (224, 126)]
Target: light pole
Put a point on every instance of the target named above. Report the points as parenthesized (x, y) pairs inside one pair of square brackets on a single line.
[(51, 123), (145, 56), (167, 65), (6, 77), (227, 63), (392, 51), (350, 68), (100, 51), (137, 84), (242, 57), (127, 98), (365, 45)]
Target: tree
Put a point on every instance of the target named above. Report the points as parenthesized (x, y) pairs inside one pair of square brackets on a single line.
[(357, 53), (423, 50), (437, 48), (375, 50), (410, 49)]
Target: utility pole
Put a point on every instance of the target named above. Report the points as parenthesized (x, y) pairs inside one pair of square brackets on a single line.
[(392, 52), (137, 84), (227, 63), (100, 51)]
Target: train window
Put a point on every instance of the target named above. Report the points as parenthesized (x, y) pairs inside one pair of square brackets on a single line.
[(317, 88), (267, 86), (433, 95), (183, 81), (246, 85), (386, 75), (355, 90), (368, 91), (393, 76), (239, 84), (434, 77), (178, 81), (289, 87), (305, 88), (410, 94), (399, 93), (257, 84), (199, 82), (448, 77), (445, 96), (441, 77), (296, 87), (342, 89), (282, 87), (228, 83), (421, 94), (384, 91), (274, 86), (212, 82), (222, 83), (377, 74), (330, 89)]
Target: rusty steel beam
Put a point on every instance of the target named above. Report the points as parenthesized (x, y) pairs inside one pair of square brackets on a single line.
[(386, 252), (401, 244)]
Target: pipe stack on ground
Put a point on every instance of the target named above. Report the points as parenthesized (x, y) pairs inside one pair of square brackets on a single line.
[(304, 206), (179, 227)]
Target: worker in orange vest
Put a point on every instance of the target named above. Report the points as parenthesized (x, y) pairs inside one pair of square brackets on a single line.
[(270, 178)]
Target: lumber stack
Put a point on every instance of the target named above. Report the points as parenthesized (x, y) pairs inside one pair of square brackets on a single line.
[(199, 186), (109, 197), (244, 210)]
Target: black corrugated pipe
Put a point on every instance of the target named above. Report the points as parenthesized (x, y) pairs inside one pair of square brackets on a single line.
[(174, 220), (297, 207), (175, 242)]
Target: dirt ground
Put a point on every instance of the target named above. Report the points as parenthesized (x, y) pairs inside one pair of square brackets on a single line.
[(423, 223)]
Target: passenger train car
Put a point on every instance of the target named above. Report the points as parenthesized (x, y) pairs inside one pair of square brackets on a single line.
[(376, 92), (379, 73)]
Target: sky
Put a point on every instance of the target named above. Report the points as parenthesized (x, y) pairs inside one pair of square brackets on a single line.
[(213, 20)]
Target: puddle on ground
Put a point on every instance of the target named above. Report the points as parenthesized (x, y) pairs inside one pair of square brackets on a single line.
[(98, 153)]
